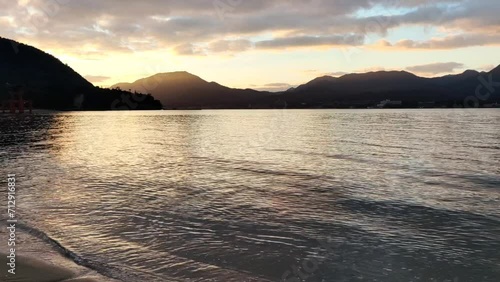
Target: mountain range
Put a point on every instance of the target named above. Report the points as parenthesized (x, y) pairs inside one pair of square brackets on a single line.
[(366, 89), (52, 84), (185, 90)]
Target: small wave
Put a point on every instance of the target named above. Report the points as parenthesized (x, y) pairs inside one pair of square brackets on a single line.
[(104, 269)]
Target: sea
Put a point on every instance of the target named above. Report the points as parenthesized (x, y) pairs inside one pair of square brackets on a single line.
[(262, 195)]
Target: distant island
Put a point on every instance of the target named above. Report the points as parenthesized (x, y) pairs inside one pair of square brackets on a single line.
[(50, 84)]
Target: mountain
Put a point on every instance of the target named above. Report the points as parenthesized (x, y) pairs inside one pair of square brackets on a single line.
[(450, 79), (367, 89), (41, 73), (185, 90), (351, 84), (496, 71), (54, 85), (353, 89)]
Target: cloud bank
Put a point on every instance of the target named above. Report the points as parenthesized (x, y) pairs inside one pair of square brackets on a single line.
[(198, 27), (436, 68)]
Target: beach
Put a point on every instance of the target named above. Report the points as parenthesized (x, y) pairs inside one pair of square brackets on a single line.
[(38, 261)]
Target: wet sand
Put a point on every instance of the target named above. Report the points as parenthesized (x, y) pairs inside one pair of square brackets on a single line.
[(30, 269), (37, 261)]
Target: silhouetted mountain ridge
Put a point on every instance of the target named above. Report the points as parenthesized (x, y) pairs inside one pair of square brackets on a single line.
[(365, 89), (23, 64), (54, 85), (350, 84), (185, 90)]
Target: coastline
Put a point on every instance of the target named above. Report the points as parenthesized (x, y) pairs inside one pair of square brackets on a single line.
[(37, 261), (31, 269)]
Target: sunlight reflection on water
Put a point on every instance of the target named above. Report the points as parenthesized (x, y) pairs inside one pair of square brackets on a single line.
[(400, 195)]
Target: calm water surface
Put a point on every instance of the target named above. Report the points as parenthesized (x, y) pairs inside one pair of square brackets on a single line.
[(295, 195)]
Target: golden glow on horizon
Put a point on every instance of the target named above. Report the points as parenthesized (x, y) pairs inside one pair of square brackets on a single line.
[(248, 45), (244, 70)]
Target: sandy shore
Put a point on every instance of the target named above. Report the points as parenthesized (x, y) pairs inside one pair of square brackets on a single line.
[(37, 261), (35, 270)]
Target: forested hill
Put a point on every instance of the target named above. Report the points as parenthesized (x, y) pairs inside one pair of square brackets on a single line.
[(52, 84)]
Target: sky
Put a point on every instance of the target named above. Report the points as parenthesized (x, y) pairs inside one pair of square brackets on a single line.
[(261, 44)]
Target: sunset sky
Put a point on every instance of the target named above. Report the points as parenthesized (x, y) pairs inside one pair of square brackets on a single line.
[(264, 44)]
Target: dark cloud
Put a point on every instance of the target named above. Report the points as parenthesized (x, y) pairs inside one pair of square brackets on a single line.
[(96, 78), (450, 42), (274, 87), (301, 41), (336, 74), (194, 27), (436, 68), (278, 85)]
